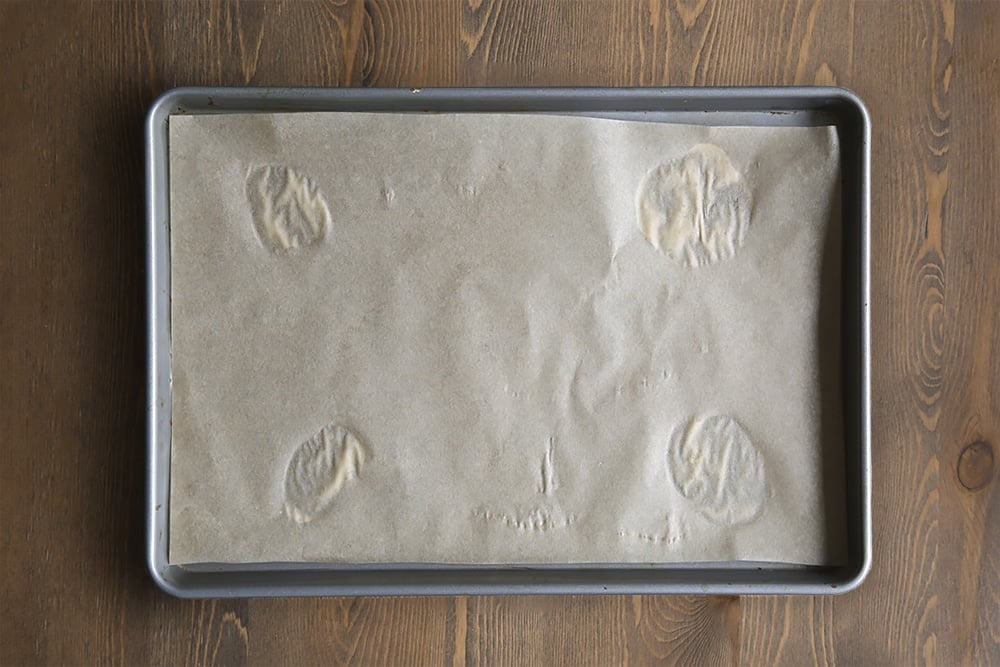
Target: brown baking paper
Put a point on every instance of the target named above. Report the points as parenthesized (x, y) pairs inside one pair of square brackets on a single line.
[(503, 339)]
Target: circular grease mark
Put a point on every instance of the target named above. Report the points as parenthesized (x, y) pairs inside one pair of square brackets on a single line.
[(715, 465), (318, 470), (695, 209), (287, 207), (975, 465)]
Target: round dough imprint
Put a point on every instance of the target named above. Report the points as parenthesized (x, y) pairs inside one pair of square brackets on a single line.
[(715, 466), (287, 207), (319, 469), (695, 209)]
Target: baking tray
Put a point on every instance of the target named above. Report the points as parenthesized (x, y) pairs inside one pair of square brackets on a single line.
[(707, 106)]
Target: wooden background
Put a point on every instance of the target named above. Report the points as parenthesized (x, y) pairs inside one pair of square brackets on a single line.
[(75, 80)]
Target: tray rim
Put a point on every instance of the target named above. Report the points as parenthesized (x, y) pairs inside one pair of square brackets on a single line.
[(289, 579)]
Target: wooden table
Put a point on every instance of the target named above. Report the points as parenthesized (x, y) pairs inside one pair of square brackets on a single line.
[(75, 80)]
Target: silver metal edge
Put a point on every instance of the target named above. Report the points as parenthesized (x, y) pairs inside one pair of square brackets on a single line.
[(158, 353), (864, 335)]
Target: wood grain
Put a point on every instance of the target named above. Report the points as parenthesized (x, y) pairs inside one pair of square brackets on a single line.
[(76, 79)]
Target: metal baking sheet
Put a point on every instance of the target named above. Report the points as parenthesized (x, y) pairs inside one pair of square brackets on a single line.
[(706, 106)]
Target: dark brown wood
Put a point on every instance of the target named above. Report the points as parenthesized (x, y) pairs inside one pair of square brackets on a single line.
[(75, 80)]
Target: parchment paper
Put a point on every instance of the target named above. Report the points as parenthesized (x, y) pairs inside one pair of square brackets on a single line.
[(487, 316)]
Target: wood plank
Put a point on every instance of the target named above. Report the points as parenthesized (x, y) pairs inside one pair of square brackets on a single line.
[(967, 328), (909, 592), (366, 631)]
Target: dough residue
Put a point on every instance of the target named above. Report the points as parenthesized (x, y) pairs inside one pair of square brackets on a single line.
[(318, 470), (695, 209), (716, 466), (287, 207)]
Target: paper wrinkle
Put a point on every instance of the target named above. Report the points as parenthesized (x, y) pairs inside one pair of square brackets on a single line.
[(485, 292)]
